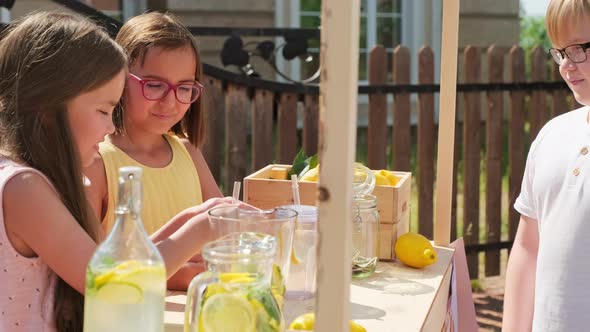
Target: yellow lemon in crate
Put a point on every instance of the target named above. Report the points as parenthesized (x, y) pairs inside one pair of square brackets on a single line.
[(306, 322), (384, 177), (312, 175), (415, 250)]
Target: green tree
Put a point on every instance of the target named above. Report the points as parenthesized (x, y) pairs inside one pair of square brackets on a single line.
[(532, 34)]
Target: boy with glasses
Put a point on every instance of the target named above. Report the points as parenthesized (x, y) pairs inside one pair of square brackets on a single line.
[(548, 271)]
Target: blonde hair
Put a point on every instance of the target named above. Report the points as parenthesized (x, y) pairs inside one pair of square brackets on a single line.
[(562, 15), (155, 29)]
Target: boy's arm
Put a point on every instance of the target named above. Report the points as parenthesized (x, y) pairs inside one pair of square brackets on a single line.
[(209, 187), (519, 293)]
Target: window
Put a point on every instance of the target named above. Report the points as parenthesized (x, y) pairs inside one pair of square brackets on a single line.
[(380, 24)]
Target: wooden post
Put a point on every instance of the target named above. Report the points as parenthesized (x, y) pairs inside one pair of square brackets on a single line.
[(446, 131), (338, 110)]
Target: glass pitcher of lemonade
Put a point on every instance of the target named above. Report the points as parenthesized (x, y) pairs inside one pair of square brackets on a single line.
[(235, 293), (126, 277), (227, 221)]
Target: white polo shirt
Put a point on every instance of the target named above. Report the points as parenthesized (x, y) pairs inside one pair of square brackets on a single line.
[(556, 192)]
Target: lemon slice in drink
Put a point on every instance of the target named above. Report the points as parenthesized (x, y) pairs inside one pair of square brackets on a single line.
[(120, 293), (237, 277), (150, 277), (294, 259), (228, 312)]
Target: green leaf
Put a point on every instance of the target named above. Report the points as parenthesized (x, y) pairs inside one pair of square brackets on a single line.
[(107, 261), (313, 161), (299, 163), (264, 296)]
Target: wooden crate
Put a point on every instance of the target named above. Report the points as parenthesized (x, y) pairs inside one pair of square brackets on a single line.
[(393, 202)]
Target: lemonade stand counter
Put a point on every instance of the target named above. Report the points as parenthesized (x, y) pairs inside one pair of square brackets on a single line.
[(395, 298)]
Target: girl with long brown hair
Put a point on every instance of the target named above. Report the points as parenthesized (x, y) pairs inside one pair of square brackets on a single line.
[(61, 77)]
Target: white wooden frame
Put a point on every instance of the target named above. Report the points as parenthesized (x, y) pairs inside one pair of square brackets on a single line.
[(338, 99)]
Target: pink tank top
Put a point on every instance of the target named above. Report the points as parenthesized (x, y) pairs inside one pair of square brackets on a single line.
[(26, 288)]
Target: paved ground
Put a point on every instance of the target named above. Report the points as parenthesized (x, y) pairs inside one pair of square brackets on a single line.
[(488, 304)]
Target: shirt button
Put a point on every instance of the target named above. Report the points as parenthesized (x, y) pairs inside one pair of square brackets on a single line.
[(576, 172), (584, 151)]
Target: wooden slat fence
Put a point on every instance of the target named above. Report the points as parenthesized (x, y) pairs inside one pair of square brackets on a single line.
[(250, 127)]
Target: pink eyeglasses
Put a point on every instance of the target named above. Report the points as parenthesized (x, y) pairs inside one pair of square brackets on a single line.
[(186, 93)]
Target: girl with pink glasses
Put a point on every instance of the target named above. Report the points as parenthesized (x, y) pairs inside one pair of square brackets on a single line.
[(158, 126)]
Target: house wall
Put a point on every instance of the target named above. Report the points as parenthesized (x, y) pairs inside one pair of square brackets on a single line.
[(22, 7), (224, 13)]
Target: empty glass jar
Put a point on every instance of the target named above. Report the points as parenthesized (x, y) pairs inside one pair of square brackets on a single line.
[(365, 235)]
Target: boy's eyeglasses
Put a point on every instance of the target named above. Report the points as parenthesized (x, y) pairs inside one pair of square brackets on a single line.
[(575, 52), (186, 93)]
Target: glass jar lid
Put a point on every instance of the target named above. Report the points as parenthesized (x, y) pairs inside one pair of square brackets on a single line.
[(363, 181)]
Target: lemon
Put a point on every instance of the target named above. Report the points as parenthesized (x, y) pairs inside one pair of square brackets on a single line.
[(227, 312), (294, 259), (279, 173), (393, 179), (306, 322), (120, 293), (104, 278), (380, 179), (415, 250), (237, 277), (384, 177), (146, 276), (134, 273), (311, 175), (213, 289)]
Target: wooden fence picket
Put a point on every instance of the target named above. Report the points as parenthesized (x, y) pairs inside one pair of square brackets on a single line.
[(516, 138), (377, 127), (471, 156), (287, 128), (213, 108), (494, 119), (426, 144), (401, 143), (237, 105), (262, 105), (538, 108)]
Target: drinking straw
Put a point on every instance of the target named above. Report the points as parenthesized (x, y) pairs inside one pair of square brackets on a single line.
[(295, 187), (236, 193)]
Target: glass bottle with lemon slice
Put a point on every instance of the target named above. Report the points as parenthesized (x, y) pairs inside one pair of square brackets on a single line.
[(126, 276), (235, 293)]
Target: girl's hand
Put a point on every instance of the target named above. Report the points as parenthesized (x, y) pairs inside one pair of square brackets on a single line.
[(180, 280), (198, 258)]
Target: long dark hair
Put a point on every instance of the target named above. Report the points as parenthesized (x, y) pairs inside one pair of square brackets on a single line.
[(46, 59), (155, 29)]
